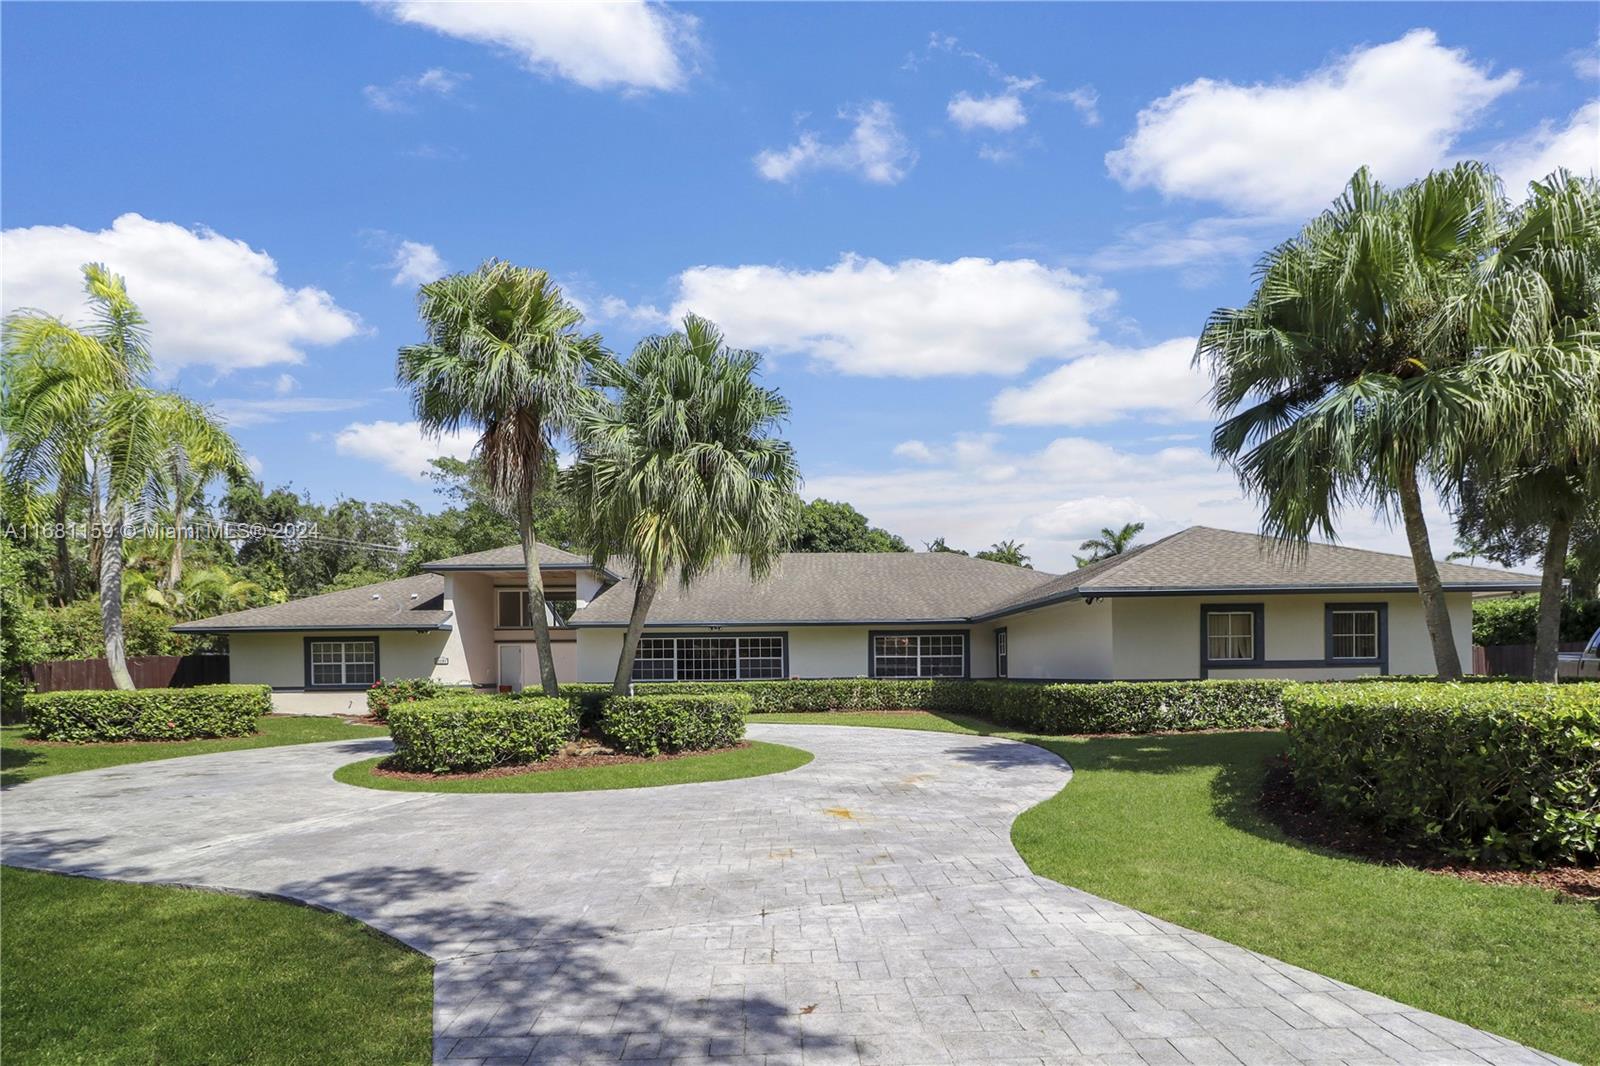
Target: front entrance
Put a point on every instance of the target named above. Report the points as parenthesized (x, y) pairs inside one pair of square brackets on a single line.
[(510, 667)]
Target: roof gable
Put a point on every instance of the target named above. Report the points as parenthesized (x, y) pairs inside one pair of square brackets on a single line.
[(408, 603)]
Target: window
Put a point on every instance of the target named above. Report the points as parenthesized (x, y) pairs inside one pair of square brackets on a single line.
[(1231, 636), (1002, 667), (1352, 633), (714, 658), (512, 607), (919, 655), (342, 663)]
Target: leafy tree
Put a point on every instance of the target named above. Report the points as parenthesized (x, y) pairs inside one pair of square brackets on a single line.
[(1007, 551), (1110, 542), (829, 526), (937, 544), (504, 354), (679, 466), (21, 631), (76, 412)]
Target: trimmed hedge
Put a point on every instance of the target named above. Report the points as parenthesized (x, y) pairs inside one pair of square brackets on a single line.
[(651, 725), (383, 695), (1491, 772), (467, 733), (85, 716), (1097, 707)]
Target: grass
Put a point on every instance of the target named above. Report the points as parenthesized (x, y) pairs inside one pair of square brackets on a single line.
[(754, 761), (101, 972), (1168, 824), (23, 760)]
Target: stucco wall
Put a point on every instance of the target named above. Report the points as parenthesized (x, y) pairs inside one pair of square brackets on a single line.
[(279, 659), (1066, 641)]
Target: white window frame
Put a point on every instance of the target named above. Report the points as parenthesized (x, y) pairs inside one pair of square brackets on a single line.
[(343, 661), (1376, 635), (1251, 636), (919, 653), (744, 657)]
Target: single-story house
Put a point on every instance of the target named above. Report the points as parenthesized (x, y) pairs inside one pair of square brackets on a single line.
[(1200, 603)]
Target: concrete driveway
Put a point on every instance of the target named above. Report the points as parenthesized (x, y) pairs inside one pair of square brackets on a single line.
[(867, 907)]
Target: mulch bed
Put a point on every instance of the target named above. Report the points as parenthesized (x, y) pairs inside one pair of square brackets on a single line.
[(1301, 817), (573, 757)]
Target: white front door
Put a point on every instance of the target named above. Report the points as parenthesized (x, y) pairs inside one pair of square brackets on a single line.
[(511, 667)]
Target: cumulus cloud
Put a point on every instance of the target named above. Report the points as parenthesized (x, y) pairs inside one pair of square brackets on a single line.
[(210, 300), (402, 446), (1001, 112), (914, 318), (1575, 146), (401, 94), (415, 263), (1158, 383), (914, 450), (876, 151), (625, 44), (1288, 148)]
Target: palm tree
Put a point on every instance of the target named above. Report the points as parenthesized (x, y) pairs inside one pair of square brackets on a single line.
[(1332, 383), (1110, 542), (203, 452), (76, 414), (504, 354), (678, 467), (1008, 552)]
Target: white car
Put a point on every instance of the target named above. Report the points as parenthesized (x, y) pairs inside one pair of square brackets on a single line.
[(1584, 664)]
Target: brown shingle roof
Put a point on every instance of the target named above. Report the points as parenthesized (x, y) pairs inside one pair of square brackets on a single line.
[(842, 587), (1201, 559), (409, 603), (509, 558)]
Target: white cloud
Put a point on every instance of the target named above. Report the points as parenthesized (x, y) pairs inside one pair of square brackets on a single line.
[(1001, 112), (1586, 61), (254, 465), (625, 44), (402, 446), (240, 413), (416, 264), (914, 318), (1158, 383), (996, 155), (1288, 148), (210, 300), (399, 94), (1079, 519), (1575, 146), (285, 384), (1201, 241), (1087, 103), (914, 450), (877, 151)]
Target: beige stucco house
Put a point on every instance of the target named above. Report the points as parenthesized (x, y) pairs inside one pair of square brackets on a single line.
[(1200, 603)]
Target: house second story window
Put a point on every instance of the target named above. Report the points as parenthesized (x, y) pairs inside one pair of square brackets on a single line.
[(512, 607), (711, 658)]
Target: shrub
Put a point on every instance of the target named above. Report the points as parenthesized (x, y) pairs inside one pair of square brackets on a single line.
[(1090, 707), (650, 725), (467, 733), (1494, 772), (383, 695), (148, 713), (1512, 620)]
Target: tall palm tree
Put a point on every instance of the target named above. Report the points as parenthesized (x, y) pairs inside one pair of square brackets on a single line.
[(75, 410), (1330, 383), (505, 354), (1110, 542), (202, 452), (678, 467), (1006, 551)]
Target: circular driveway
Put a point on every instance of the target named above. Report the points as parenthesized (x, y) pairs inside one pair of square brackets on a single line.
[(867, 907)]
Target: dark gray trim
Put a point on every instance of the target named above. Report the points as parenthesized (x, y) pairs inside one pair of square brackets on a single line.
[(365, 627), (771, 633), (330, 638), (787, 623), (1382, 658), (999, 633), (966, 649), (1258, 642)]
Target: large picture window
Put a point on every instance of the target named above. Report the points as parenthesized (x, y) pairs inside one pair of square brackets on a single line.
[(919, 655), (712, 658), (1355, 632), (1231, 634), (342, 663)]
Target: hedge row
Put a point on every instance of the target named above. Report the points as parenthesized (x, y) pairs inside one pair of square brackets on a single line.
[(468, 733), (148, 713), (653, 724), (383, 695), (1501, 773)]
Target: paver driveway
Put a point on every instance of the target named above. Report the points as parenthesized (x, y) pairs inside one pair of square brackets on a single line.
[(867, 907)]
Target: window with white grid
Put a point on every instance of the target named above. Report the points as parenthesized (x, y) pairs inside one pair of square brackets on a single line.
[(1230, 636), (710, 658), (1354, 633), (343, 662), (760, 658), (919, 655), (655, 659)]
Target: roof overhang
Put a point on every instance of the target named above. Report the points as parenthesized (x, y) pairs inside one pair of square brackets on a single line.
[(1249, 590), (189, 627), (770, 622), (482, 568)]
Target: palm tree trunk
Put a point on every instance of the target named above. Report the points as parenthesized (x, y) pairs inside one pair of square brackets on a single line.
[(643, 595), (175, 569), (111, 597), (1434, 609), (1547, 635), (97, 518), (63, 551), (536, 606)]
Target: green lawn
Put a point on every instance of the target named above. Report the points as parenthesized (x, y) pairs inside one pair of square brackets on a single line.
[(100, 972), (22, 760), (1168, 824), (754, 761)]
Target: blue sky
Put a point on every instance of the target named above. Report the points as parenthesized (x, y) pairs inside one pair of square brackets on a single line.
[(975, 242)]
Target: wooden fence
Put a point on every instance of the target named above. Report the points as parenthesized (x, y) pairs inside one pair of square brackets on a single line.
[(149, 671), (1510, 660)]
